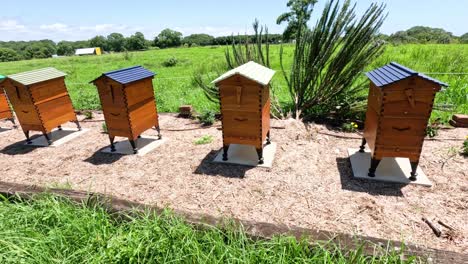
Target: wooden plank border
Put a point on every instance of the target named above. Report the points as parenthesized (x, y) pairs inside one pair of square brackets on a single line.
[(256, 230)]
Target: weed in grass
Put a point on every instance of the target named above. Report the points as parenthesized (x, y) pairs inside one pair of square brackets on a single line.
[(104, 128), (48, 229), (204, 140), (171, 62)]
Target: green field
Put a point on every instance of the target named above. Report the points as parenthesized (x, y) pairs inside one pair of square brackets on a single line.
[(175, 87), (48, 229)]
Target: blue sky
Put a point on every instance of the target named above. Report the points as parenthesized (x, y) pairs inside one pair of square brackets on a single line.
[(83, 19)]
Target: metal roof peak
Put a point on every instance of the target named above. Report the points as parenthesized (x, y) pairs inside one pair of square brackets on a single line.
[(395, 72)]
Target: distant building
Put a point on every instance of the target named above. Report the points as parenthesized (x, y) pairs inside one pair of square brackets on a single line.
[(88, 51)]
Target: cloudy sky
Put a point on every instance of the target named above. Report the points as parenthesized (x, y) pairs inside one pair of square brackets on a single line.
[(79, 20)]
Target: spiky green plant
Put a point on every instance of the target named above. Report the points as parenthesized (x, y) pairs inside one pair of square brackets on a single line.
[(329, 58), (244, 51), (238, 54)]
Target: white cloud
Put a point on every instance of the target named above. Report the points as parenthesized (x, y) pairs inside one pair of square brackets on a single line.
[(56, 27), (11, 25), (103, 28)]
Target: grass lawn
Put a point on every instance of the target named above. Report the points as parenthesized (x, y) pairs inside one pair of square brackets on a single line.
[(175, 87), (48, 229)]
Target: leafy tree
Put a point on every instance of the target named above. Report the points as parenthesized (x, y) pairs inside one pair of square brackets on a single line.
[(99, 41), (464, 38), (297, 17), (7, 54), (330, 57), (168, 38), (116, 42), (199, 39), (40, 50), (65, 48), (420, 34), (136, 42)]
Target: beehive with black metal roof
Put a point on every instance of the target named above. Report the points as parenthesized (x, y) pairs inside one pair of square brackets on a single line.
[(5, 110), (400, 103), (128, 103), (41, 101)]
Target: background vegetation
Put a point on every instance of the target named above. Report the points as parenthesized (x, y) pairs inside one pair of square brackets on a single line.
[(48, 229), (174, 85)]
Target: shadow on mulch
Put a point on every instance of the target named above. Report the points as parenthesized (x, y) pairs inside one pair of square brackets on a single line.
[(101, 158), (358, 185), (208, 167), (19, 148)]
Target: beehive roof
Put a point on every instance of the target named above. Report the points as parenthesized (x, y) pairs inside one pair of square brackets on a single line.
[(37, 76), (250, 70), (128, 75), (395, 72)]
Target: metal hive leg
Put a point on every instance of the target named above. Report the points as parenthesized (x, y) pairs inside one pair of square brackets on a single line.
[(260, 155), (363, 145), (225, 152), (134, 146), (373, 167), (111, 138), (414, 168)]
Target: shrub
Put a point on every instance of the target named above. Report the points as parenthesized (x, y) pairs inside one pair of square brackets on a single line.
[(88, 115), (171, 62), (432, 129), (465, 147), (207, 117), (349, 127), (204, 140)]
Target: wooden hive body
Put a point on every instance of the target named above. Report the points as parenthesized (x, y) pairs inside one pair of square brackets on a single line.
[(5, 111), (129, 108), (41, 106), (397, 117), (245, 106)]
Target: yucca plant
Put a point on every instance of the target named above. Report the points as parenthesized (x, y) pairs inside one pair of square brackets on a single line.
[(244, 51), (329, 58)]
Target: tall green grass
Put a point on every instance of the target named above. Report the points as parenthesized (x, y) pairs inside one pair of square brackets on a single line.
[(48, 229), (174, 85)]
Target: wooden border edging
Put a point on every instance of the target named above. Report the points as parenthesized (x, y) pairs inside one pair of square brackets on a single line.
[(259, 230)]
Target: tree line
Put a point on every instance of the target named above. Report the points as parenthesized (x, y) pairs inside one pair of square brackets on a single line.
[(116, 42)]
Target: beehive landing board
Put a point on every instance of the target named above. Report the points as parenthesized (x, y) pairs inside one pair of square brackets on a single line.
[(59, 137), (247, 155), (145, 145), (396, 170)]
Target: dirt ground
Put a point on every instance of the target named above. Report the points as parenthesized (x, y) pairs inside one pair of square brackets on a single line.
[(310, 184)]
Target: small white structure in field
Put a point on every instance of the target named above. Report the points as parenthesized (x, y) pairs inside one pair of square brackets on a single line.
[(88, 51)]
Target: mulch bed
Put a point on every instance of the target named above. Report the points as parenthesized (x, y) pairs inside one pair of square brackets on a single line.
[(309, 186)]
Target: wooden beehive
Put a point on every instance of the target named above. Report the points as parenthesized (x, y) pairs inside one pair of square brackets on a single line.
[(40, 100), (5, 110), (128, 103), (245, 106), (400, 104)]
